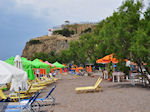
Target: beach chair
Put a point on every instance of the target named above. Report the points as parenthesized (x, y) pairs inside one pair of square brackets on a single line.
[(34, 87), (28, 106), (13, 97), (21, 105), (51, 79), (76, 76), (36, 84), (94, 88), (44, 81), (30, 91), (48, 100)]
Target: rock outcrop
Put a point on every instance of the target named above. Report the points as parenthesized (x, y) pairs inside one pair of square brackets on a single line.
[(46, 44), (54, 43)]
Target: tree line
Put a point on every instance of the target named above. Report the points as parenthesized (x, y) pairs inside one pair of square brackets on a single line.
[(126, 34)]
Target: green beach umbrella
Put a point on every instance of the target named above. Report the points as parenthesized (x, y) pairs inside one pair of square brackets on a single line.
[(10, 60), (40, 64), (58, 65), (28, 67)]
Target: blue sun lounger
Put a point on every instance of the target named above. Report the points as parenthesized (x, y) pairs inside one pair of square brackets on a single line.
[(20, 108), (49, 99)]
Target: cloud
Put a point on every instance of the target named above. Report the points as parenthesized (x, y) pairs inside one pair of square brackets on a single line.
[(58, 11), (22, 20)]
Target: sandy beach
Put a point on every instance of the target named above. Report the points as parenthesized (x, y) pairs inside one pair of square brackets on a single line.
[(115, 97)]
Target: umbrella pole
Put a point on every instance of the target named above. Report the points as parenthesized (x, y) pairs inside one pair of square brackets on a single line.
[(19, 99)]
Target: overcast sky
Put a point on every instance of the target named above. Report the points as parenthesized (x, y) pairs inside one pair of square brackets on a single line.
[(21, 20)]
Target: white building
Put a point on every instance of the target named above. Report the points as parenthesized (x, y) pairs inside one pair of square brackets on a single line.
[(50, 31)]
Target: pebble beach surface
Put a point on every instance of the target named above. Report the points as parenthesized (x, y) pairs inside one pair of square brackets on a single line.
[(115, 97)]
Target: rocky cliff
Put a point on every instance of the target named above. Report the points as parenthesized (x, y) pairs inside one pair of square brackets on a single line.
[(54, 43), (46, 44)]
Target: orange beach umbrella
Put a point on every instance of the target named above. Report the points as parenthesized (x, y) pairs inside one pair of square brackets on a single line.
[(80, 68), (107, 59)]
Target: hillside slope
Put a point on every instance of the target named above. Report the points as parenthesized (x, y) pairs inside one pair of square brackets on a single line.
[(46, 44), (55, 42)]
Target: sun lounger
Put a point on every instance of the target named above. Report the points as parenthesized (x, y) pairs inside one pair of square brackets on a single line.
[(28, 106), (53, 78), (13, 97), (44, 81), (41, 83), (21, 105), (49, 99), (94, 88), (36, 84), (76, 76), (29, 91)]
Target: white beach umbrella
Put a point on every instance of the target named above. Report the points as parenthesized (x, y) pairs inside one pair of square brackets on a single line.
[(18, 62), (17, 77)]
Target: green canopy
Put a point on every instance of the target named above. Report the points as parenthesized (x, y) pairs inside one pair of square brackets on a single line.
[(39, 64), (10, 60), (27, 66), (58, 65)]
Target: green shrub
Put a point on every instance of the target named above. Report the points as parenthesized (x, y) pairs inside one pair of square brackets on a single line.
[(88, 30), (64, 32), (31, 42)]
